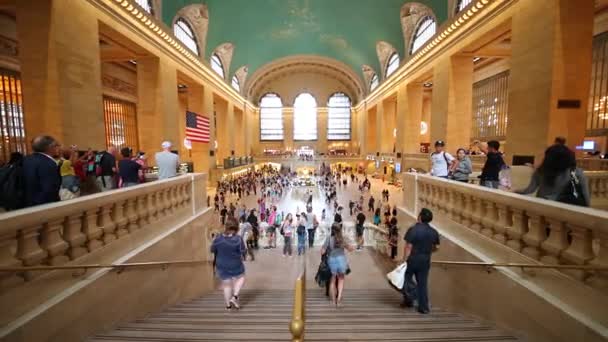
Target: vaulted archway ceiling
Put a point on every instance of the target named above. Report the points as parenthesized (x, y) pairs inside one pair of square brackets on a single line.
[(265, 30)]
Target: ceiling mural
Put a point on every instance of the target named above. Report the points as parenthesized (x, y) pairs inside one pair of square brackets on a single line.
[(265, 30)]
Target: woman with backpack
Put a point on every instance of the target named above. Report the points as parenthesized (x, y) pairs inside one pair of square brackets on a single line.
[(335, 246), (558, 178), (287, 231), (301, 231), (462, 168)]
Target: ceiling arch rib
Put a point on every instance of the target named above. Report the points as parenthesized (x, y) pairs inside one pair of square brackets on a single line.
[(197, 17), (305, 67)]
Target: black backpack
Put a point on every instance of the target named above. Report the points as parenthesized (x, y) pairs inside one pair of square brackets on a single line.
[(12, 187), (573, 191)]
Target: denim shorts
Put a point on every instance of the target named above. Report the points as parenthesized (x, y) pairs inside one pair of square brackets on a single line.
[(337, 264)]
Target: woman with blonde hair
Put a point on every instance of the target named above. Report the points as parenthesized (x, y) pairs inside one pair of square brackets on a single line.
[(335, 246)]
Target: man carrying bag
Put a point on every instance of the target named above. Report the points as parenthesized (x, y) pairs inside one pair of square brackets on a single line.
[(421, 240)]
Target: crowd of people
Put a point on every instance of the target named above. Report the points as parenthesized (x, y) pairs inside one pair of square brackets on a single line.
[(53, 172), (557, 178)]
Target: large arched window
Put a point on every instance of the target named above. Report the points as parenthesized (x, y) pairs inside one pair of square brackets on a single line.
[(184, 33), (236, 84), (146, 5), (338, 117), (305, 117), (216, 65), (426, 29), (462, 4), (271, 117), (374, 82), (393, 64)]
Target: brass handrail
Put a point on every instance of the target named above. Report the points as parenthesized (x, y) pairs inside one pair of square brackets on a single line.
[(296, 326), (161, 264)]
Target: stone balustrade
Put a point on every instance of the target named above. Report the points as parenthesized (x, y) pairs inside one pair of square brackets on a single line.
[(598, 188), (57, 233), (547, 231), (593, 164)]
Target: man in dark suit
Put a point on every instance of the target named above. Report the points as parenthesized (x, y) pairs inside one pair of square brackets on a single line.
[(41, 172)]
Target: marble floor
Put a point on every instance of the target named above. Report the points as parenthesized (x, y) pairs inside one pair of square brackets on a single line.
[(271, 270)]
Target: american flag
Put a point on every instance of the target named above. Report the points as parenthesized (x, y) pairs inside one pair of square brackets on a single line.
[(197, 127)]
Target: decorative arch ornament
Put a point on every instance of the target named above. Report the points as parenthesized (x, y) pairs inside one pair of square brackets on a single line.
[(368, 75), (197, 16), (411, 14), (224, 52), (241, 75), (384, 50)]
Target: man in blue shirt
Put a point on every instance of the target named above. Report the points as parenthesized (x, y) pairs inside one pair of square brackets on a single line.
[(421, 240)]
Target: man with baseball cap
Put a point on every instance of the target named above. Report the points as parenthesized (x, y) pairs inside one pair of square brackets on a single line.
[(166, 161), (441, 161)]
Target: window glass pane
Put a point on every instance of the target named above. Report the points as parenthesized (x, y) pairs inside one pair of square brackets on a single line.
[(235, 84), (146, 5), (490, 111), (462, 4), (184, 33), (597, 113), (393, 64), (121, 124), (12, 129), (305, 117), (216, 65), (271, 118), (424, 32), (374, 83), (338, 117)]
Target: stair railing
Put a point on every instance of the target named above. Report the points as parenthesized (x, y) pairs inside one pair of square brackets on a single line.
[(296, 326)]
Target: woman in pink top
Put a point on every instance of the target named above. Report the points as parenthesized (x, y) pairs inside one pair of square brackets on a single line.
[(272, 238)]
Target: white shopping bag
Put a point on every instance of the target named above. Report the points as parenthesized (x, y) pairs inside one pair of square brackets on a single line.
[(397, 276)]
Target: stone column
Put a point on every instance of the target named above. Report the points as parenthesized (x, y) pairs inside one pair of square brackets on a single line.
[(389, 125), (223, 149), (322, 129), (288, 127), (231, 131), (451, 112), (61, 71), (208, 110), (200, 151), (379, 127), (409, 114), (551, 61)]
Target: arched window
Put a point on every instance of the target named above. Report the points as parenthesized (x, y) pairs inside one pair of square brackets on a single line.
[(235, 84), (216, 65), (184, 33), (424, 32), (271, 117), (338, 117), (393, 64), (462, 4), (305, 117), (374, 82), (146, 5)]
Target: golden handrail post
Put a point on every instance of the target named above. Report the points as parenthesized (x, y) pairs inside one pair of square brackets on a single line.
[(296, 326)]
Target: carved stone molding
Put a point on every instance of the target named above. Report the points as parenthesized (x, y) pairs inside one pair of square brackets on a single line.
[(241, 75), (368, 73), (197, 16), (9, 47), (224, 52), (385, 51), (411, 14), (311, 64), (118, 85)]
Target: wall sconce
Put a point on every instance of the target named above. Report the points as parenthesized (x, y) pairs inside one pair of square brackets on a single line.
[(424, 127)]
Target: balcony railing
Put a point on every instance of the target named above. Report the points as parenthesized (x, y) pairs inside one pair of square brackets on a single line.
[(59, 233)]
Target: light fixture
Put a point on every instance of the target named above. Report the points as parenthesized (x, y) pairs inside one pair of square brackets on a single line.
[(424, 127), (476, 59), (428, 84)]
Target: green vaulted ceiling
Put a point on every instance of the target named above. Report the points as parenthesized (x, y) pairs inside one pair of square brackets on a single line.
[(264, 30)]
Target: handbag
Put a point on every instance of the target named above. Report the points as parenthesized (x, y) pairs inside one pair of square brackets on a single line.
[(573, 191), (397, 276)]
